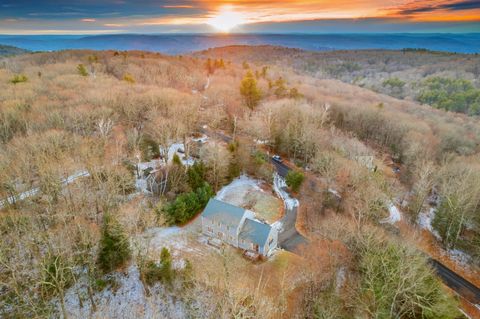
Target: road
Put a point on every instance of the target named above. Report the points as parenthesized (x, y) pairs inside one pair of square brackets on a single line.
[(290, 239), (457, 283), (288, 236), (282, 169), (34, 191)]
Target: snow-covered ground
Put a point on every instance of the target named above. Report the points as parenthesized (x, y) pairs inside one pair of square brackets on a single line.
[(425, 219), (460, 257), (174, 149), (394, 215), (202, 139), (129, 300), (280, 188), (234, 192), (247, 193)]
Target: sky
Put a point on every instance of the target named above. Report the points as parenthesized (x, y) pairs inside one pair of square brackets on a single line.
[(72, 17)]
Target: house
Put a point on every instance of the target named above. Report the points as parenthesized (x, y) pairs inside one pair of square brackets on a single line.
[(238, 227)]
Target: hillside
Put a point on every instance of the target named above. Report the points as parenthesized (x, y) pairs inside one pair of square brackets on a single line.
[(187, 43), (108, 158), (6, 50), (408, 74)]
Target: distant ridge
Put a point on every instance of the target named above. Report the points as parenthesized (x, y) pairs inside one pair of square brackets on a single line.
[(185, 43), (7, 50)]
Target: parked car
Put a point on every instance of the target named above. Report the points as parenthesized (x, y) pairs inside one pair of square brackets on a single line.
[(277, 158)]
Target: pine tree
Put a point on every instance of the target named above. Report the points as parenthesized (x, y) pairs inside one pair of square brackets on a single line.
[(250, 92), (114, 248)]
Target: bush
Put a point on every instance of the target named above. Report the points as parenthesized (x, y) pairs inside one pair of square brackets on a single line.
[(153, 272), (129, 78), (149, 148), (19, 78), (187, 205), (456, 95), (196, 175), (294, 180), (82, 70), (176, 160), (114, 248)]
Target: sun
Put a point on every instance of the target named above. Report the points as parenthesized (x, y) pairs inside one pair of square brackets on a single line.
[(226, 20)]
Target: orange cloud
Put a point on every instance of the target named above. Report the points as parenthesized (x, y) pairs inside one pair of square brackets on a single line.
[(88, 20), (178, 7)]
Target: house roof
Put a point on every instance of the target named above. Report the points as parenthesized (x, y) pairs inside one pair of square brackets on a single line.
[(255, 232), (226, 213)]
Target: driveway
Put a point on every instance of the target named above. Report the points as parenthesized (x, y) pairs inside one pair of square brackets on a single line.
[(288, 236)]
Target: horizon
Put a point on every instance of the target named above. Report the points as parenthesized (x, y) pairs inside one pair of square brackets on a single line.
[(62, 17)]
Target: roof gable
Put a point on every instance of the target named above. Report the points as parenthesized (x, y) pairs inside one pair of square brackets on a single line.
[(255, 232), (226, 213)]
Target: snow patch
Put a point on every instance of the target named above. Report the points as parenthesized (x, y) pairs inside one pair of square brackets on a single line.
[(280, 186), (174, 149), (240, 183), (460, 257), (128, 301), (203, 139), (425, 221), (395, 215)]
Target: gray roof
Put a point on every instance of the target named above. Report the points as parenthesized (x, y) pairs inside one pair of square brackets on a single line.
[(255, 232), (226, 213)]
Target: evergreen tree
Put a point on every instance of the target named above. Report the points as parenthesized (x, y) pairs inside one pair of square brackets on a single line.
[(250, 92), (114, 250)]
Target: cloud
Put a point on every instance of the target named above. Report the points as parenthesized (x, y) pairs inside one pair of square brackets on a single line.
[(184, 6), (113, 25), (433, 6), (88, 20)]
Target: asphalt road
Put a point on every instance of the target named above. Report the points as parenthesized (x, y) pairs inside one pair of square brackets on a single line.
[(282, 169), (459, 284), (290, 239)]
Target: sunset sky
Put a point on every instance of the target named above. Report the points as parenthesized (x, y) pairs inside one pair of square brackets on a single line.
[(303, 16)]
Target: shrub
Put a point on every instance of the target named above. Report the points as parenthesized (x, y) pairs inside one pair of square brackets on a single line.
[(176, 160), (196, 175), (456, 95), (149, 148), (19, 78), (82, 70), (129, 78), (294, 180), (153, 272), (114, 250), (187, 205), (394, 83)]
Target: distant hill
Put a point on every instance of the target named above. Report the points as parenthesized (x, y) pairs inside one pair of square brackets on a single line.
[(410, 74), (7, 50), (185, 43)]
